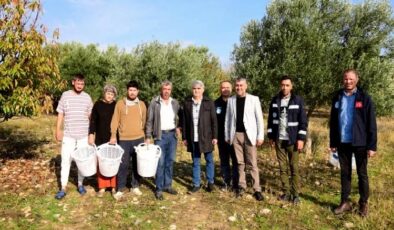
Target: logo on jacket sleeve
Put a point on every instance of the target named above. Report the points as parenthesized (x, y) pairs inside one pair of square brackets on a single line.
[(359, 104)]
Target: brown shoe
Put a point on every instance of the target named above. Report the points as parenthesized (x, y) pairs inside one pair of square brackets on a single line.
[(363, 210), (345, 206)]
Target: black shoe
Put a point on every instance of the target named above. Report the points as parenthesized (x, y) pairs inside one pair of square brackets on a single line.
[(258, 196), (284, 197), (194, 190), (345, 206), (171, 191), (239, 192), (210, 187), (296, 200), (363, 210), (159, 195)]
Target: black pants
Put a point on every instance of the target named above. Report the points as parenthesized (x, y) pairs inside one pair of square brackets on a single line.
[(345, 152), (229, 173)]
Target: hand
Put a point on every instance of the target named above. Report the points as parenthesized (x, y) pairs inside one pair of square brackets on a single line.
[(272, 143), (178, 132), (228, 141), (91, 139), (214, 141), (59, 135), (371, 153), (333, 149), (259, 142), (185, 142), (112, 141), (147, 141), (300, 145)]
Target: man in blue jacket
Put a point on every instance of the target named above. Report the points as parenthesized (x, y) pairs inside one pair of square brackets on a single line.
[(287, 126), (353, 130)]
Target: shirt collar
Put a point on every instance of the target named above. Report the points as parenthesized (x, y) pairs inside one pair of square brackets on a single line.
[(162, 101), (354, 91), (195, 101)]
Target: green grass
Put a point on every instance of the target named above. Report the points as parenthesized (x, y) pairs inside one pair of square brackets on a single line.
[(29, 162)]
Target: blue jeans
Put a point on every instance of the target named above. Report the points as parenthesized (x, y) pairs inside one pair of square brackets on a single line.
[(129, 151), (210, 167), (165, 166)]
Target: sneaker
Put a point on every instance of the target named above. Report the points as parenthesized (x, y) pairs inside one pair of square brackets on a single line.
[(101, 192), (239, 192), (258, 196), (118, 195), (284, 197), (296, 200), (210, 187), (194, 189), (60, 195), (136, 191), (171, 191), (159, 195), (81, 190)]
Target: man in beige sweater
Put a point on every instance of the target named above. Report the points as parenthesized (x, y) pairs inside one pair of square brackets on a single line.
[(128, 121)]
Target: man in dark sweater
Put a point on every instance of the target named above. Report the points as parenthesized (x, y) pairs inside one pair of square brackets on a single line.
[(226, 151)]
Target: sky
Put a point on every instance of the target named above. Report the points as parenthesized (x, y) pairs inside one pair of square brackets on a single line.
[(215, 24)]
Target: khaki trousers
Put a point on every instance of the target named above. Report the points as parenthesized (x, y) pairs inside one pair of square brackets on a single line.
[(246, 153)]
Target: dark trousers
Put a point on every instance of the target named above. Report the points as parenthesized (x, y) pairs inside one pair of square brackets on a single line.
[(129, 151), (288, 158), (345, 152), (228, 173)]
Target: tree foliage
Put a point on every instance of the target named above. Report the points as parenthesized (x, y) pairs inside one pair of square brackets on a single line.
[(314, 41), (29, 74), (88, 60), (149, 64)]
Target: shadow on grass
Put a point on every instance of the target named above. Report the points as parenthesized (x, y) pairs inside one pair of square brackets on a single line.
[(20, 145)]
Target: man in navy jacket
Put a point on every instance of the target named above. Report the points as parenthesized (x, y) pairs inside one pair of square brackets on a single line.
[(287, 126), (353, 130)]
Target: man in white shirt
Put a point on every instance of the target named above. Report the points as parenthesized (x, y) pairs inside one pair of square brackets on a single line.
[(162, 126), (74, 110)]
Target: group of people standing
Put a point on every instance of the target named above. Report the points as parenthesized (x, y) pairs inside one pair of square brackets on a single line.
[(233, 122)]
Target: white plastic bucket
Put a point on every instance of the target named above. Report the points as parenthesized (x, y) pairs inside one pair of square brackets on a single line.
[(109, 158), (334, 160), (86, 160), (147, 159)]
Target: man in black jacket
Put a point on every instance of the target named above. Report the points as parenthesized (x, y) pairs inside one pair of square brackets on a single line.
[(353, 130), (226, 151), (199, 133), (287, 126)]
